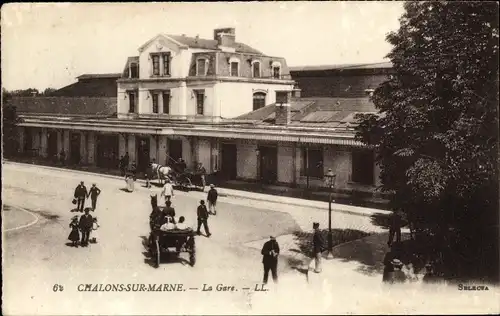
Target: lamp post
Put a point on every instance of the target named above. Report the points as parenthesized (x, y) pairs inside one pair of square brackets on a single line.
[(330, 181)]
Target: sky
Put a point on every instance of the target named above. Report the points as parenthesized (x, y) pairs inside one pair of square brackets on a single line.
[(49, 45)]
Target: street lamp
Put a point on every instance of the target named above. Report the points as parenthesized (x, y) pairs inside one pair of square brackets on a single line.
[(330, 182)]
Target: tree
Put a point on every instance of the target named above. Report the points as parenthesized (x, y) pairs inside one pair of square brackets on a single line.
[(436, 134), (49, 91), (10, 139)]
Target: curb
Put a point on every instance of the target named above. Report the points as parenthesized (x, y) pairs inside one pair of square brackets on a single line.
[(25, 225), (263, 198)]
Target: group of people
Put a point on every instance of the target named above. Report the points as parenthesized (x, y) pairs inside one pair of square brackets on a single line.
[(166, 218), (87, 226), (81, 194)]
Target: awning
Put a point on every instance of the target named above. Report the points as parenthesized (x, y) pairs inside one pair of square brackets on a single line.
[(110, 128), (301, 137)]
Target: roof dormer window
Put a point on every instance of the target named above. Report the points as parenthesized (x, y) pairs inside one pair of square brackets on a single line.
[(276, 70), (256, 69), (201, 66), (234, 67)]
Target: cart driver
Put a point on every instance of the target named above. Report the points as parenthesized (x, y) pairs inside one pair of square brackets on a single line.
[(169, 224)]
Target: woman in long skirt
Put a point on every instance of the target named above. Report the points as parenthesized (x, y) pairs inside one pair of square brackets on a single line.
[(74, 236), (130, 183)]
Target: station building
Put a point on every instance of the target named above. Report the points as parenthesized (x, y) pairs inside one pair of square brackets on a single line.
[(220, 103)]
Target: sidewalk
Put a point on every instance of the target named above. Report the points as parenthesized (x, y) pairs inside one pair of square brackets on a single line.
[(225, 192)]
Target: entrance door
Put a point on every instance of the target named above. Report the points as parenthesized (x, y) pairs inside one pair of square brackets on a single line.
[(174, 151), (268, 164), (52, 144), (143, 156), (228, 162), (28, 139), (74, 145), (107, 151)]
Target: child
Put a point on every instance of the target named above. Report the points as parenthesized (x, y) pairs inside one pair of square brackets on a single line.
[(95, 226), (74, 236)]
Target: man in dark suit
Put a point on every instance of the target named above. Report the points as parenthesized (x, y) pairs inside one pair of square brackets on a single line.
[(85, 226), (395, 228), (80, 195), (94, 193), (212, 199), (270, 252), (318, 247), (169, 210), (202, 213)]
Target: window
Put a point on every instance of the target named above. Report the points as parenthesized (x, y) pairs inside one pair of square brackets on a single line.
[(201, 67), (200, 100), (131, 100), (312, 162), (234, 69), (256, 69), (166, 64), (276, 72), (166, 102), (134, 70), (156, 65), (154, 96), (363, 167), (259, 100)]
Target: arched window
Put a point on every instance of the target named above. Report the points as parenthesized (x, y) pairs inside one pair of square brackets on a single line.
[(259, 100), (256, 69), (276, 70)]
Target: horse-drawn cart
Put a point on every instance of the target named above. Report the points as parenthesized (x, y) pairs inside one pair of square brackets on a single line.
[(172, 242)]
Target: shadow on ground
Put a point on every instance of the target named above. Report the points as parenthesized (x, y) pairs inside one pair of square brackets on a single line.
[(170, 258), (302, 253)]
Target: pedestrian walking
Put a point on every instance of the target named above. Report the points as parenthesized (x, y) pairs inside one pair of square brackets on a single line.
[(133, 170), (270, 252), (167, 190), (395, 228), (94, 192), (202, 213), (94, 235), (80, 195), (62, 157), (74, 235), (318, 247), (85, 226), (212, 199), (129, 180), (126, 160), (201, 171)]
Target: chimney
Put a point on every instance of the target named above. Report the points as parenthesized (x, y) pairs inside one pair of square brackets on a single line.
[(296, 92), (225, 37), (283, 113)]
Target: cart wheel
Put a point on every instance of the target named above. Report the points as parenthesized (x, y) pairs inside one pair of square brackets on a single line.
[(192, 253), (158, 253)]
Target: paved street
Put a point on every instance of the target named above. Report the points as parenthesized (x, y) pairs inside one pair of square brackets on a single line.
[(37, 257)]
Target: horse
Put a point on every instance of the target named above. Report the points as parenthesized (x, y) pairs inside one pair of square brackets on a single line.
[(162, 172)]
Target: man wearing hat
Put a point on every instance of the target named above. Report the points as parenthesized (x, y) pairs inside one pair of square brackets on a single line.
[(318, 247), (94, 193), (80, 195), (212, 199), (270, 252), (85, 226), (202, 213)]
